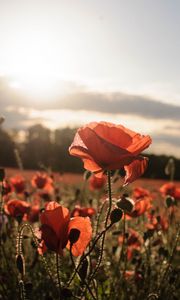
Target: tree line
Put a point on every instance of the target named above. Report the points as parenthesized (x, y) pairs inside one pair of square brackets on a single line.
[(43, 147)]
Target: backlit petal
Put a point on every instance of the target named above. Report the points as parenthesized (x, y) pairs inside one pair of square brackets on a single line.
[(84, 226), (135, 169)]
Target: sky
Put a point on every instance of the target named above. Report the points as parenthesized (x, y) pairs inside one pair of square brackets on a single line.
[(70, 62)]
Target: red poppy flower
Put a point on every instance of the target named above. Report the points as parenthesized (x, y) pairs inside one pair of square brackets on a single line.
[(34, 212), (106, 146), (56, 227), (170, 189), (134, 242), (140, 207), (97, 183), (83, 211), (18, 183), (17, 208), (157, 223), (42, 181), (7, 188), (177, 194), (140, 193)]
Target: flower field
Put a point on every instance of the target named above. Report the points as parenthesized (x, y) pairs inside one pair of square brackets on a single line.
[(99, 235)]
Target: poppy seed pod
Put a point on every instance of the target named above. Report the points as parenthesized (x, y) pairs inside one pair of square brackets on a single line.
[(116, 215), (73, 235), (170, 201), (126, 204), (20, 263)]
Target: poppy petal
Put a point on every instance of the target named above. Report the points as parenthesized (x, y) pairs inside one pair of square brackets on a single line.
[(49, 237), (52, 205), (84, 226), (135, 169), (58, 220), (103, 152)]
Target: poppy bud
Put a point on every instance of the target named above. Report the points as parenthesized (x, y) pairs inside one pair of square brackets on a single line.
[(2, 174), (66, 293), (169, 201), (116, 215), (86, 175), (163, 252), (126, 204), (148, 234), (74, 235), (83, 269), (20, 264)]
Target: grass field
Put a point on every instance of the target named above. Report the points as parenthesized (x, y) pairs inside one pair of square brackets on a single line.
[(67, 237)]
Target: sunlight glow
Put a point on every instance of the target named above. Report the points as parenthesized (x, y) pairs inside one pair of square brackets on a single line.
[(35, 64)]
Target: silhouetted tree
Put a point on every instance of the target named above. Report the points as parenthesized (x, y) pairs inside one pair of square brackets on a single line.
[(7, 156), (51, 149), (38, 147)]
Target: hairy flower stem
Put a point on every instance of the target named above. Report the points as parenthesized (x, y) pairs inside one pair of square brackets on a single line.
[(22, 290), (19, 246), (58, 275), (105, 226), (83, 281), (89, 252), (102, 234), (98, 217), (170, 260), (123, 241), (1, 198)]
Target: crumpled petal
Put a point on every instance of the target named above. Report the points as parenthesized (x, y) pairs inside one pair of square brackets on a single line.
[(135, 169)]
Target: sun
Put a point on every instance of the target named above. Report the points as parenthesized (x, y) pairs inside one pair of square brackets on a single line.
[(35, 65)]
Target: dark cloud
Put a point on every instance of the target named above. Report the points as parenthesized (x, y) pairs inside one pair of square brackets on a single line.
[(120, 103), (114, 103), (14, 119), (166, 138)]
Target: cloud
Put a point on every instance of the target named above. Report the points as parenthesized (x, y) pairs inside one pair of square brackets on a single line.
[(167, 138), (79, 98), (120, 103), (79, 106)]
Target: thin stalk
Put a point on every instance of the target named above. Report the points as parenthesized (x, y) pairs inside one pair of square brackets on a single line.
[(102, 234), (1, 198), (89, 252), (58, 275), (19, 246), (105, 225), (123, 241), (83, 281), (170, 259)]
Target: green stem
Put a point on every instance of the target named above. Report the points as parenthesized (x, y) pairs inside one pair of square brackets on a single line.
[(76, 269), (1, 198), (105, 226), (19, 246), (123, 242), (58, 275), (102, 234), (89, 252), (170, 259)]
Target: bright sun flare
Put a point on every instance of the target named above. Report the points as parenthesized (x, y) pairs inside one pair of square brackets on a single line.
[(35, 66)]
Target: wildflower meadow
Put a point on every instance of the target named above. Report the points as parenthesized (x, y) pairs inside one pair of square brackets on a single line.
[(109, 235)]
